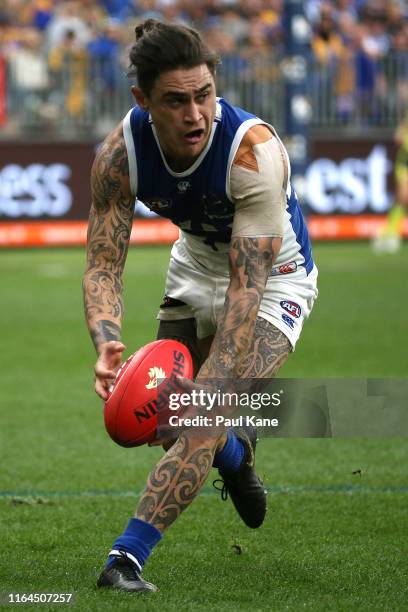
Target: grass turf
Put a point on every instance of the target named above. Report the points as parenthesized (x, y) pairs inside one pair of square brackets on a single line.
[(333, 540)]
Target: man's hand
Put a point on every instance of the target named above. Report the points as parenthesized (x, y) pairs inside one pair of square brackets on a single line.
[(109, 362)]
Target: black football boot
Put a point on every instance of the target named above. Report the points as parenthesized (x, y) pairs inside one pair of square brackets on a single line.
[(123, 574), (244, 487)]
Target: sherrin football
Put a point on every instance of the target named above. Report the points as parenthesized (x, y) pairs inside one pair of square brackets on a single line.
[(134, 402)]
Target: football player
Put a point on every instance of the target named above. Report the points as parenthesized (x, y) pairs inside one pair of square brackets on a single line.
[(390, 235), (241, 279)]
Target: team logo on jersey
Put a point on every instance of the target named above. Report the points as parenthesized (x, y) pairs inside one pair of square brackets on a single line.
[(183, 186), (291, 308), (289, 321), (154, 374)]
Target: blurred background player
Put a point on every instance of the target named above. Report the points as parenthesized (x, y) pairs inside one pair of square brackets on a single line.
[(390, 236)]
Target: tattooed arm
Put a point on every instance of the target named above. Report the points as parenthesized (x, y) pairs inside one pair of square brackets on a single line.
[(250, 264), (110, 223), (258, 187)]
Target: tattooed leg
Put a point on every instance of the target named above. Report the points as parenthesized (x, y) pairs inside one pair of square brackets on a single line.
[(176, 480), (269, 350), (178, 477)]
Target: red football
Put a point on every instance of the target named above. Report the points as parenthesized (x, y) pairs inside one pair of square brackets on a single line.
[(131, 408)]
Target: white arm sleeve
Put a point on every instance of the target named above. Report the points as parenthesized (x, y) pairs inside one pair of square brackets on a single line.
[(260, 197)]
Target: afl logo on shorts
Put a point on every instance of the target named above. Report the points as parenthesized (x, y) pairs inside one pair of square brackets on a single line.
[(291, 308)]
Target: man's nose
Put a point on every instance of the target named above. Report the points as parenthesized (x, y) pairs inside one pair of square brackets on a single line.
[(192, 113)]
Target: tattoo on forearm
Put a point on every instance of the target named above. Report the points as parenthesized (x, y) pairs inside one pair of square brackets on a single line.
[(251, 260), (174, 482), (268, 351), (110, 224), (105, 331)]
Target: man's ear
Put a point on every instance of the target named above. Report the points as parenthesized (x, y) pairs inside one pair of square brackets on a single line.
[(140, 98)]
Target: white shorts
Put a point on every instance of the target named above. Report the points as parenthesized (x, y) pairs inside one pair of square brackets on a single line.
[(286, 303)]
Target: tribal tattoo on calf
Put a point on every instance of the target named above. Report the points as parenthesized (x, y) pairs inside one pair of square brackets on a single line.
[(175, 481), (110, 224)]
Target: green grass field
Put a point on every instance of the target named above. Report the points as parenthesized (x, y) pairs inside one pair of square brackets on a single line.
[(333, 540)]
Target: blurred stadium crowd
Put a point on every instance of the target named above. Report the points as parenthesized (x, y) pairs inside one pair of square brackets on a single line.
[(63, 61)]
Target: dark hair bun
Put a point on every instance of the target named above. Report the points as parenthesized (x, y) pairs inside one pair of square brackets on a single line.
[(146, 26)]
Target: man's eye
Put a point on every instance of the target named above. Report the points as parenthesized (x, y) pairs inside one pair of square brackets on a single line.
[(202, 96)]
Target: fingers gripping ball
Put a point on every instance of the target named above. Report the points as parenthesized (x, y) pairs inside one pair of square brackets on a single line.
[(132, 406)]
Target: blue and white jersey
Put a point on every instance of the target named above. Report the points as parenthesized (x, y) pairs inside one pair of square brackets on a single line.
[(198, 200)]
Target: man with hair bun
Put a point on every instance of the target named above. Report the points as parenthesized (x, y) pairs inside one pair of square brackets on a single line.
[(241, 278)]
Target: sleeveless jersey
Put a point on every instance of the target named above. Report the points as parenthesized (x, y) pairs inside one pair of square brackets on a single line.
[(198, 200)]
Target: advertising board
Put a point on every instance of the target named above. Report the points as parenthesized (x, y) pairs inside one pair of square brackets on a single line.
[(45, 193)]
